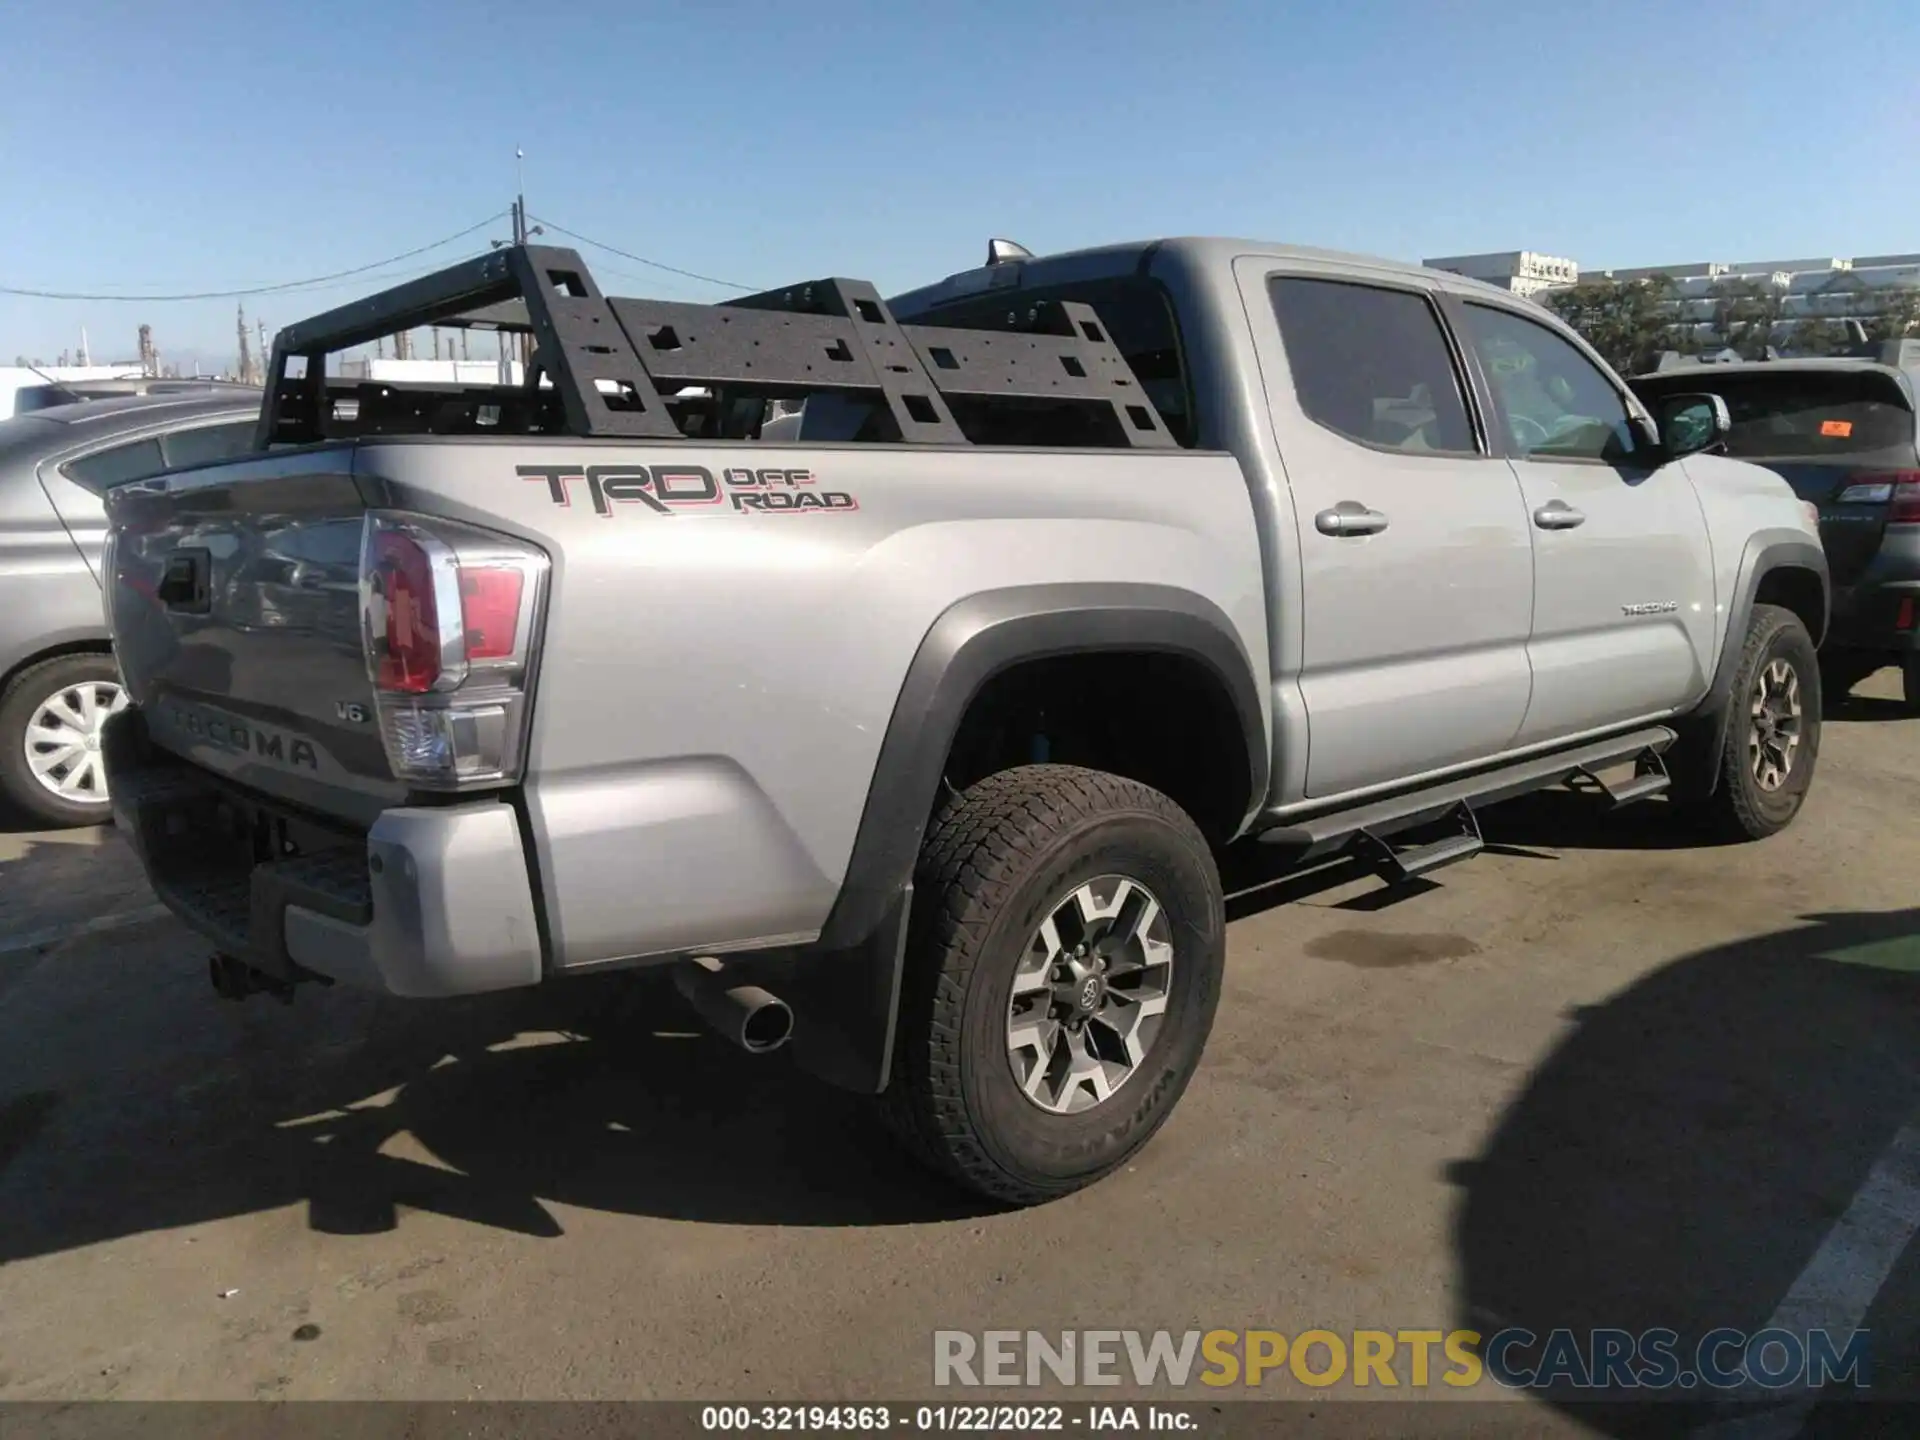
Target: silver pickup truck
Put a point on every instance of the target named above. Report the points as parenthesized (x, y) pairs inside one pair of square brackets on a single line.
[(912, 735)]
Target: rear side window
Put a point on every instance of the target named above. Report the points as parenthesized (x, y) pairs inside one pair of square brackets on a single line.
[(208, 443), (1372, 364), (1805, 415), (116, 465)]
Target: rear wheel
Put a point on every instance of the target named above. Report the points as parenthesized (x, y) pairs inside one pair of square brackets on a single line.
[(1910, 679), (1064, 965), (1773, 730), (50, 722)]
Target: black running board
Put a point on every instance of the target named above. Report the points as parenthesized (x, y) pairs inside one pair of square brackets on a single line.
[(1400, 863), (1326, 834)]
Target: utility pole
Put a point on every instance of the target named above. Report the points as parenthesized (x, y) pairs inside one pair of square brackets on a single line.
[(520, 238), (246, 350)]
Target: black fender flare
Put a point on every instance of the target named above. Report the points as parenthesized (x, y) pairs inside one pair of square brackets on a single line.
[(1704, 731), (852, 972)]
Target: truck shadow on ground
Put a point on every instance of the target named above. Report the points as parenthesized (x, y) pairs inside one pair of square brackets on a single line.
[(166, 1107), (1680, 1157), (1867, 709)]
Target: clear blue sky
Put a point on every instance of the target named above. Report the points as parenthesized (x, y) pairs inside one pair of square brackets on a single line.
[(226, 143)]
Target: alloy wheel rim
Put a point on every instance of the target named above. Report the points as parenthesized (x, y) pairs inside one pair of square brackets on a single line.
[(1090, 995), (1773, 739), (63, 741)]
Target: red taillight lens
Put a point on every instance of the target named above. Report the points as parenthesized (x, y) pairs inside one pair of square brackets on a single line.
[(450, 616), (1898, 490), (1904, 508), (408, 661), (490, 610)]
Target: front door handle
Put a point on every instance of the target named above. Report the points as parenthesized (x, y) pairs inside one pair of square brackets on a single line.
[(1558, 515), (1350, 517)]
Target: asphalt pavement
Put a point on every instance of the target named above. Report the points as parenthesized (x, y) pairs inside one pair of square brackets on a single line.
[(1601, 1076)]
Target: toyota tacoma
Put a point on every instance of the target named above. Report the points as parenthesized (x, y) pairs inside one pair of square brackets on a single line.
[(893, 672)]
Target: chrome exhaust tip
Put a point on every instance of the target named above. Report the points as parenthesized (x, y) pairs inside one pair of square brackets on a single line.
[(752, 1018)]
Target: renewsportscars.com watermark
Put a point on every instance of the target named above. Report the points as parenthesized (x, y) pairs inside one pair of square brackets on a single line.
[(1518, 1359)]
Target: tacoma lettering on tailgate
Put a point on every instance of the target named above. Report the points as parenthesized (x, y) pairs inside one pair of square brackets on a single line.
[(243, 738)]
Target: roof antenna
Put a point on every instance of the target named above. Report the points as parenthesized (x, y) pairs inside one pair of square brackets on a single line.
[(1005, 252)]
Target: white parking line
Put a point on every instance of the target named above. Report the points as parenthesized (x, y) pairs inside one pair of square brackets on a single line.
[(59, 934), (1842, 1280)]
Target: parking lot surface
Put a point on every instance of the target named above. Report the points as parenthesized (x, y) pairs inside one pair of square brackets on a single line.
[(1599, 1076)]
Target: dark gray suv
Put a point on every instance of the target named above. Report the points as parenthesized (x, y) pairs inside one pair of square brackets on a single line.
[(58, 682), (1845, 433)]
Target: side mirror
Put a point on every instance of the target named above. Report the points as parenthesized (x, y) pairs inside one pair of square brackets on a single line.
[(1690, 424)]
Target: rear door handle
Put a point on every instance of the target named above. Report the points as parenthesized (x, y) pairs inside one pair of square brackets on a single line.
[(1350, 517), (1558, 515)]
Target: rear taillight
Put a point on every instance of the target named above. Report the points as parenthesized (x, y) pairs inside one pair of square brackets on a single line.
[(1898, 490), (450, 621)]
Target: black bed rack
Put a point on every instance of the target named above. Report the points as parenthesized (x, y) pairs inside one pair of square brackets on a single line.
[(662, 370)]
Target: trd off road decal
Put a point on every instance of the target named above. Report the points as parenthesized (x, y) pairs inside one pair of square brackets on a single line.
[(666, 489)]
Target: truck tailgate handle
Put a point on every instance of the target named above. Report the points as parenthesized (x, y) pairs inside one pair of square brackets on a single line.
[(1558, 515), (1349, 517), (187, 582)]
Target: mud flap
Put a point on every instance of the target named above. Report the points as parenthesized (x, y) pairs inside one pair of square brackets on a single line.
[(846, 1002)]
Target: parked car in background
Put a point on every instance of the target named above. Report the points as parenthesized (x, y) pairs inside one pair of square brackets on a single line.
[(1845, 434), (29, 399), (58, 682)]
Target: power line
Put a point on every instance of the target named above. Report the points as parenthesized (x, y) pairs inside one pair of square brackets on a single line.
[(640, 259), (282, 288)]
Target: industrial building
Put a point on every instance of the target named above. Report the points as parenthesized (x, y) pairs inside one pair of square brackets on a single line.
[(1824, 288), (1524, 272)]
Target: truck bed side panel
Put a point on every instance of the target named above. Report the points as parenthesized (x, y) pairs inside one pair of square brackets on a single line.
[(721, 666)]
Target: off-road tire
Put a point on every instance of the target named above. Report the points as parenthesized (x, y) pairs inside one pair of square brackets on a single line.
[(1910, 679), (24, 695), (1739, 808), (995, 861)]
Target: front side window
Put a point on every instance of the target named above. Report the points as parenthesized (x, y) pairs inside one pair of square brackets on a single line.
[(1554, 402), (1372, 364)]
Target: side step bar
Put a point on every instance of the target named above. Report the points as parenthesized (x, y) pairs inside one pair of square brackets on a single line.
[(1410, 861), (1650, 778), (1318, 836)]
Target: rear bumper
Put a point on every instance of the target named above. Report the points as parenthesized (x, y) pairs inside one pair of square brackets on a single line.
[(432, 901), (1880, 609)]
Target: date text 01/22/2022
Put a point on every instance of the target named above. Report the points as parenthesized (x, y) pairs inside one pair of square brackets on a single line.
[(985, 1419)]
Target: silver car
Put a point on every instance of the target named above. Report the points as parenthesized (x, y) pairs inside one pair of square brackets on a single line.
[(58, 682)]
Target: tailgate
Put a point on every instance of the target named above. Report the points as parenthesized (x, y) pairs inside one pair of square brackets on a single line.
[(233, 596)]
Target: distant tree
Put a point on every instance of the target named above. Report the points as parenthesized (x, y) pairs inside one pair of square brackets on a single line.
[(1818, 337), (1745, 313), (20, 362), (1884, 312), (1628, 321), (1894, 314)]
